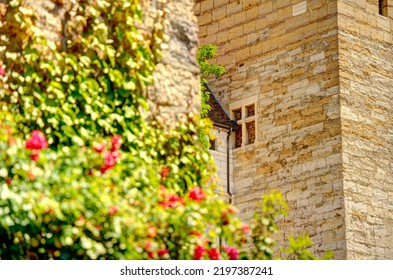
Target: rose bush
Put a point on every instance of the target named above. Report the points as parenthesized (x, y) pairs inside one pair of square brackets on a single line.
[(62, 206)]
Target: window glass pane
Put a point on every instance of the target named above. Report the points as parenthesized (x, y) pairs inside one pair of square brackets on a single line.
[(238, 138), (212, 145), (250, 132), (250, 110), (237, 114)]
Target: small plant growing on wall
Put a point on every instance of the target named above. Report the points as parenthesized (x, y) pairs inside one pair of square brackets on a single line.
[(206, 53)]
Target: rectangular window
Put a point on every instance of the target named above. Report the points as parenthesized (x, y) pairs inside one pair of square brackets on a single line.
[(383, 7), (244, 112), (212, 144)]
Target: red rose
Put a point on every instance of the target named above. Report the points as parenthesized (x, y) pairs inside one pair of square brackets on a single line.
[(232, 252), (162, 252), (197, 194), (110, 160), (37, 141), (150, 255), (2, 71), (35, 155), (214, 254), (171, 201), (8, 181), (116, 143), (198, 252), (164, 172)]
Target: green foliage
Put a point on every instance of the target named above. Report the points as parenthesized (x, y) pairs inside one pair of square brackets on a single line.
[(85, 86), (62, 206), (205, 53), (298, 249)]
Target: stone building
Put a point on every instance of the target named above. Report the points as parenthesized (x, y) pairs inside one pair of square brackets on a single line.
[(310, 84)]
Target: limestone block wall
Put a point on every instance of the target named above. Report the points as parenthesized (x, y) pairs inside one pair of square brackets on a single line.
[(176, 90), (285, 54), (366, 82)]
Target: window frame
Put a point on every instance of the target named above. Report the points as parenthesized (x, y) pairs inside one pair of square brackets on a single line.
[(244, 120)]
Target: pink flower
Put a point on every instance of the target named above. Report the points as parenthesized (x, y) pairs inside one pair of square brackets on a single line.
[(232, 252), (37, 141), (2, 71), (112, 210), (31, 175), (214, 254), (232, 209), (110, 160), (198, 252), (148, 244), (197, 194), (116, 143), (245, 229)]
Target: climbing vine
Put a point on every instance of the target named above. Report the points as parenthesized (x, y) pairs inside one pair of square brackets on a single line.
[(88, 83)]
